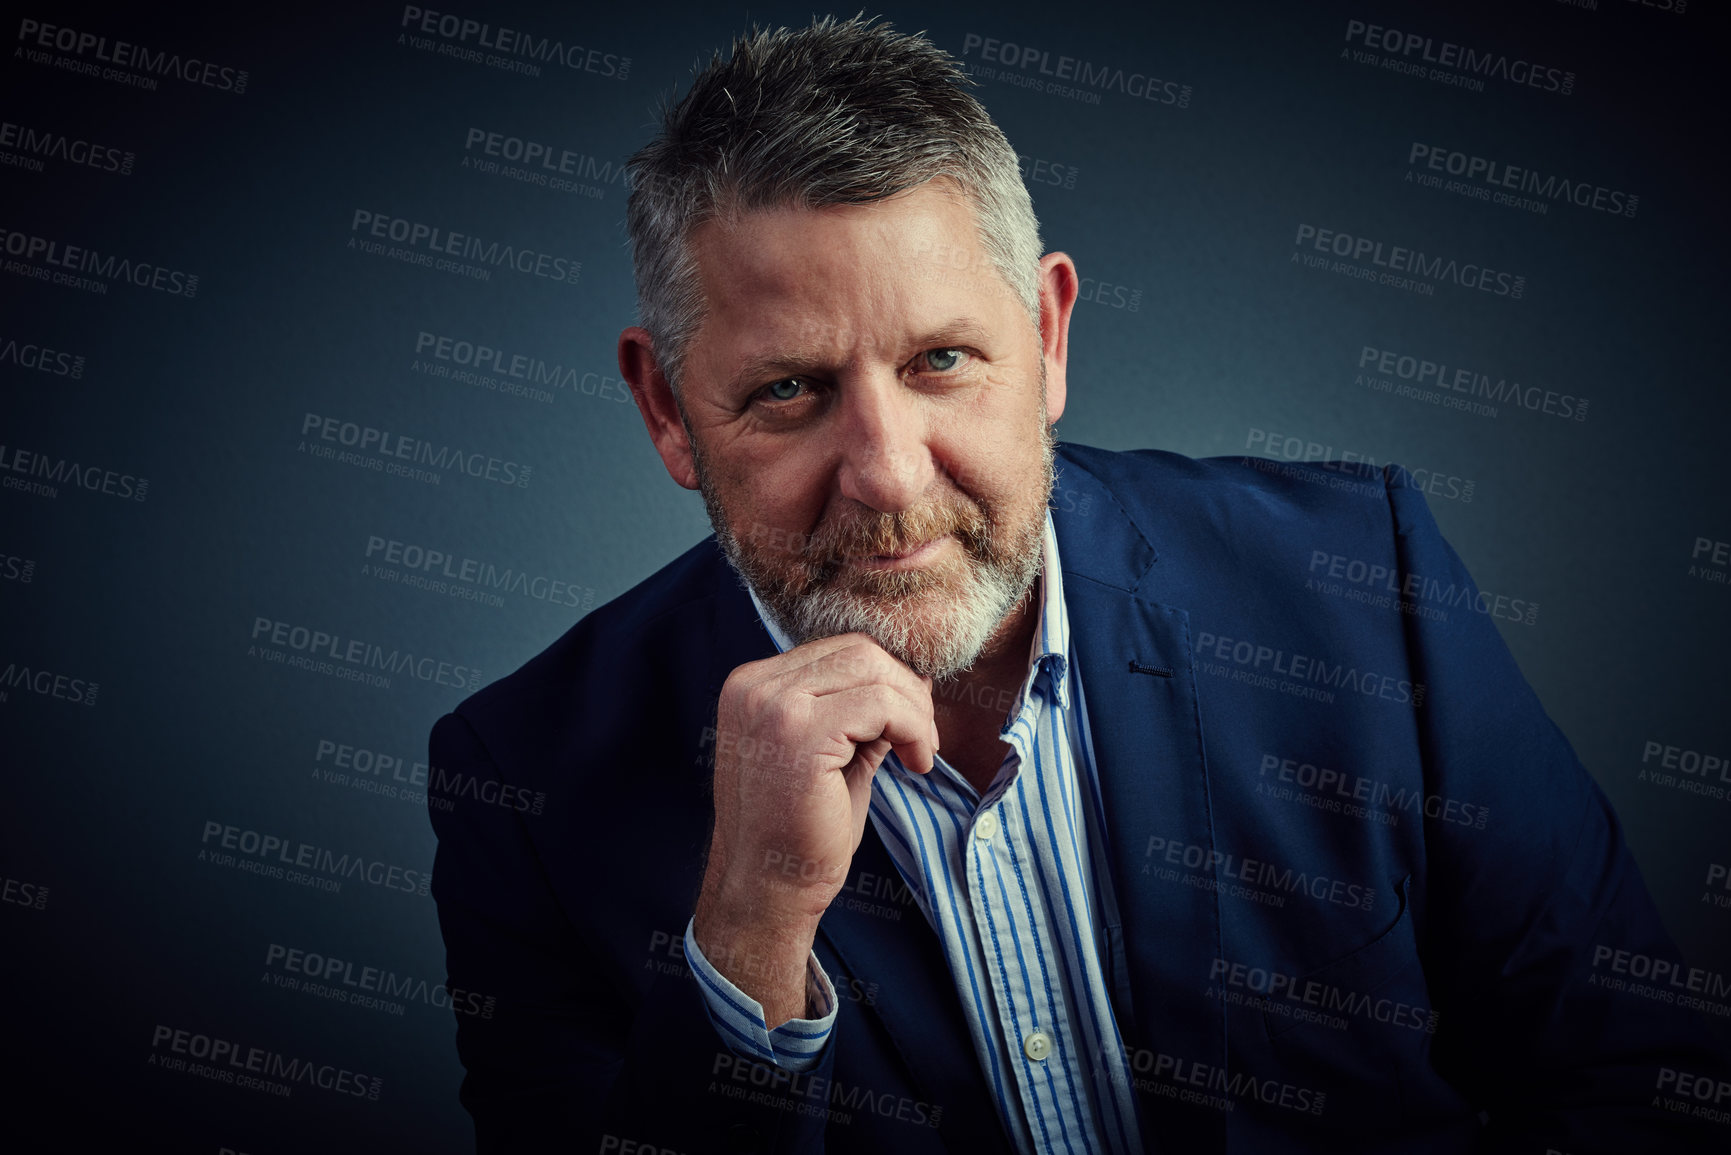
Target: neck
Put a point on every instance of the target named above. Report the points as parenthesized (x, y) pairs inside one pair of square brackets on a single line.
[(971, 707), (1011, 642)]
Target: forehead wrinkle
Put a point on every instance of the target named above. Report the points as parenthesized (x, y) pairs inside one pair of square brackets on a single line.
[(857, 324), (840, 297)]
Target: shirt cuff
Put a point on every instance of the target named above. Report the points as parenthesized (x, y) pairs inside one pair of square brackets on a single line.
[(796, 1045)]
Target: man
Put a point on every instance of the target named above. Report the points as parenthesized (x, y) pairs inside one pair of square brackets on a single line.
[(1020, 798)]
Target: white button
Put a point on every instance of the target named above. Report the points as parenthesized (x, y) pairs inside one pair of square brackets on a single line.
[(986, 826), (1037, 1046)]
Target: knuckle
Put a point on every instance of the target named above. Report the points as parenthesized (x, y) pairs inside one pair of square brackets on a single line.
[(757, 700), (854, 656), (738, 682)]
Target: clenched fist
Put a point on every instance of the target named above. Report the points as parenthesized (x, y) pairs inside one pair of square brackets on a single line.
[(797, 740)]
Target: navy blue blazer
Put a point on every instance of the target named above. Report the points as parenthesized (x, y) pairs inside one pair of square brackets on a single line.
[(1361, 876)]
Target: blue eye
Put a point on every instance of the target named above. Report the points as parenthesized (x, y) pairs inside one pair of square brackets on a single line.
[(784, 390), (943, 360)]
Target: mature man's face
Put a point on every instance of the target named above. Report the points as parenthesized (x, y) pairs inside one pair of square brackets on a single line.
[(869, 412)]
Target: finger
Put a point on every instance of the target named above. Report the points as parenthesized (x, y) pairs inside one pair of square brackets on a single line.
[(929, 684), (799, 657), (860, 663), (865, 714), (859, 773)]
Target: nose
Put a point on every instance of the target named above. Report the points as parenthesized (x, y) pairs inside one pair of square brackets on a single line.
[(885, 460)]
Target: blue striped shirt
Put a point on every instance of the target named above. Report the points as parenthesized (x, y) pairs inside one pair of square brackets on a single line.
[(1016, 886)]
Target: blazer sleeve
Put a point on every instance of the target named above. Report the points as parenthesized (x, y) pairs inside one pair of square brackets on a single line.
[(1518, 911), (558, 1054)]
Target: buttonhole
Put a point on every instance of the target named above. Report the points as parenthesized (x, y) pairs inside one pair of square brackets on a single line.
[(1154, 671)]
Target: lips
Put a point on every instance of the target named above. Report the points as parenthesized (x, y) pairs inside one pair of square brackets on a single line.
[(908, 552), (907, 557)]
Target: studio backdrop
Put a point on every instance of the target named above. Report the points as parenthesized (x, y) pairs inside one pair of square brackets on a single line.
[(311, 425)]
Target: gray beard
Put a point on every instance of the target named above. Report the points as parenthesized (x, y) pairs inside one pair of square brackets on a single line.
[(944, 649), (991, 587)]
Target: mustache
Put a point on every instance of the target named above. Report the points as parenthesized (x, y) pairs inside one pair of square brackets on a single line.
[(871, 533)]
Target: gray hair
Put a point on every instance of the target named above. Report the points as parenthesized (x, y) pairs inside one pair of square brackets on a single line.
[(840, 113)]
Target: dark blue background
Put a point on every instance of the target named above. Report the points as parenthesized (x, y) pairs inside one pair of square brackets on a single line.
[(1195, 208)]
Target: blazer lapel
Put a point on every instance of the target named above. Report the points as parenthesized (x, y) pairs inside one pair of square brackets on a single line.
[(739, 635), (1139, 685)]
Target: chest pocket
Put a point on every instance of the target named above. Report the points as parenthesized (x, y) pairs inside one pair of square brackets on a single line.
[(1360, 1029), (1356, 986)]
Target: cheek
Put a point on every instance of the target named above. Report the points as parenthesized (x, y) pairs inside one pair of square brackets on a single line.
[(991, 450), (781, 492)]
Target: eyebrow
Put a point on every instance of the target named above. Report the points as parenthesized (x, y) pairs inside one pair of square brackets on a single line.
[(791, 362)]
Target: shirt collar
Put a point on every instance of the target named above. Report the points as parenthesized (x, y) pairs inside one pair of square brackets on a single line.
[(1051, 645), (1052, 637)]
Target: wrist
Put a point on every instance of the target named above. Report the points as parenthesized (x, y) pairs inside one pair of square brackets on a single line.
[(750, 891), (766, 959)]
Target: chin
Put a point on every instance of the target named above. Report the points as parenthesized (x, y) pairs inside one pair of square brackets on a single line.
[(937, 636)]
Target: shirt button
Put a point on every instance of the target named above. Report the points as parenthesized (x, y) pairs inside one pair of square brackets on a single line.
[(986, 827), (1037, 1046)]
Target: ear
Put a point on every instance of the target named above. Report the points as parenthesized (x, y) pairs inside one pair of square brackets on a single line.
[(1059, 288), (656, 404)]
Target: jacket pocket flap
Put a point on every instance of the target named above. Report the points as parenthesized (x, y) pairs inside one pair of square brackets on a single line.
[(1353, 977)]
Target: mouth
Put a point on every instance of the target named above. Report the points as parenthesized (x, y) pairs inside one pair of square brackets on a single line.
[(913, 557)]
